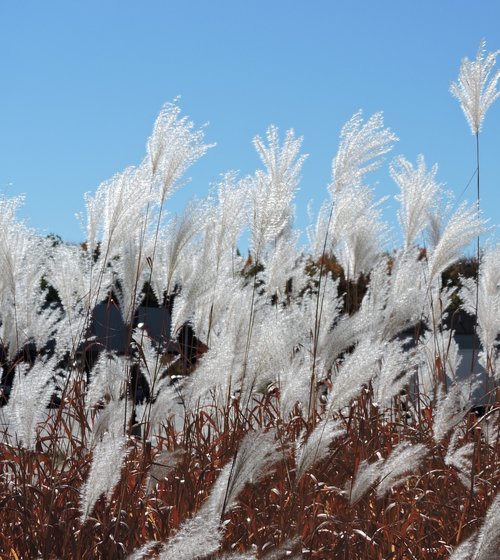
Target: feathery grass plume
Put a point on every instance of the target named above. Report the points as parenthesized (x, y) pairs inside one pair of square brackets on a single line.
[(404, 460), (366, 476), (275, 336), (294, 384), (168, 405), (122, 201), (330, 315), (108, 456), (451, 408), (360, 151), (395, 368), (491, 428), (488, 542), (113, 419), (405, 293), (463, 227), (282, 267), (172, 148), (202, 534), (272, 192), (473, 90), (69, 274), (144, 552), (220, 368), (130, 273), (357, 232), (173, 245), (226, 220), (31, 393), (460, 458), (317, 446), (466, 550), (109, 449), (256, 454), (357, 370), (417, 197), (488, 305), (24, 317), (108, 379)]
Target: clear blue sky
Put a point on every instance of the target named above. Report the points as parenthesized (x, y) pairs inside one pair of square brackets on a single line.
[(82, 82)]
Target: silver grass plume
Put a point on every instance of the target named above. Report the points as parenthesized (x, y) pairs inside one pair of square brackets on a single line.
[(173, 147), (466, 550), (488, 542), (130, 271), (404, 293), (150, 362), (358, 369), (31, 393), (404, 460), (451, 408), (366, 476), (24, 259), (109, 452), (108, 379), (273, 189), (418, 190), (173, 246), (460, 458), (202, 534), (360, 150), (395, 369), (488, 305), (220, 367), (317, 446), (356, 230), (463, 227), (475, 90)]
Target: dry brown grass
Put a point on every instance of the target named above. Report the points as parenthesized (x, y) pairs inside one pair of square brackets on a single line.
[(423, 518)]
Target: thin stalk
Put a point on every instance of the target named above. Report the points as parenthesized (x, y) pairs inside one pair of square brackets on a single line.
[(317, 323), (474, 343)]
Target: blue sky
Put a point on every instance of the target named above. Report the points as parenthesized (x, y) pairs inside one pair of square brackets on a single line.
[(82, 82)]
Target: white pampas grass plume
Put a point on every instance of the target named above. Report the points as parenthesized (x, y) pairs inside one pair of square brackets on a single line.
[(488, 542), (465, 551), (365, 477), (460, 458), (360, 150), (357, 370), (473, 90), (31, 393), (108, 456), (317, 446), (417, 197), (463, 227), (173, 147), (450, 409), (273, 189), (404, 459), (202, 534)]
